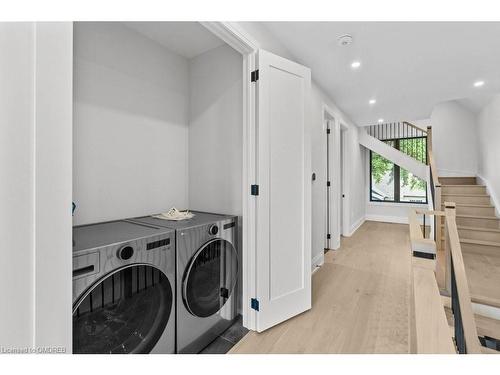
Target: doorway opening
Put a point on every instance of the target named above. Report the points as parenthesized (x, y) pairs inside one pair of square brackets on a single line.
[(336, 190), (329, 126)]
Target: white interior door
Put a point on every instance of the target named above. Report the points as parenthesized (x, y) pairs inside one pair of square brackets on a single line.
[(283, 249)]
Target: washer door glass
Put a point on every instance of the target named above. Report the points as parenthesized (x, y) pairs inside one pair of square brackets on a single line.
[(210, 278), (126, 312)]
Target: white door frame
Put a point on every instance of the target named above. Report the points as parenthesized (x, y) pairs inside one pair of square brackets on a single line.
[(346, 230), (339, 132), (329, 123), (241, 41)]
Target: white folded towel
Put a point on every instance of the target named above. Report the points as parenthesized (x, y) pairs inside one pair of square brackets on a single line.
[(175, 214)]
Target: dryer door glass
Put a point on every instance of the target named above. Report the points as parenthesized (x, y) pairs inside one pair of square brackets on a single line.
[(210, 278), (126, 312)]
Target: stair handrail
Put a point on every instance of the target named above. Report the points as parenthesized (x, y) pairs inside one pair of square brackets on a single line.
[(415, 127), (396, 130), (435, 188), (430, 159), (429, 330), (466, 337), (465, 330)]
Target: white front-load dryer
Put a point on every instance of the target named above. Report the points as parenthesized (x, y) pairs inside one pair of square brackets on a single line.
[(207, 274), (123, 288)]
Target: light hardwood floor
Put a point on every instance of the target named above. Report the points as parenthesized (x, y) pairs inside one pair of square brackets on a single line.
[(360, 300)]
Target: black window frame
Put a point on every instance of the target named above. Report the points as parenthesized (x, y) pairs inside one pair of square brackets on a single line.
[(397, 175)]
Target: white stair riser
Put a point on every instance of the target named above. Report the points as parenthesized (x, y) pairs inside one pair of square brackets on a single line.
[(465, 189), (480, 199)]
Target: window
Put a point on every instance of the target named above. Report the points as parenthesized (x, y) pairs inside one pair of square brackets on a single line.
[(390, 182)]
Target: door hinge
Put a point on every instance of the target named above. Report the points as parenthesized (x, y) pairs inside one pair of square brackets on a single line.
[(254, 304), (327, 131), (254, 76), (328, 183), (254, 190), (328, 236)]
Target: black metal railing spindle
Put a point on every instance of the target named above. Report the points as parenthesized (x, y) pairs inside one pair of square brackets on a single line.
[(455, 308)]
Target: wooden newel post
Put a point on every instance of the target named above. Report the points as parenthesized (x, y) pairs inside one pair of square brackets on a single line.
[(449, 210)]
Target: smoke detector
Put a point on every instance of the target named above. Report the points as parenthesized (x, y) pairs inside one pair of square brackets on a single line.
[(344, 40)]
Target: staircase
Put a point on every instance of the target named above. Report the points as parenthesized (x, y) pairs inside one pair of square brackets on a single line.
[(479, 234)]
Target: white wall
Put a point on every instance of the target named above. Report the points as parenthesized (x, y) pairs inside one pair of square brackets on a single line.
[(355, 195), (216, 131), (35, 157), (455, 141), (216, 135), (17, 183), (131, 114), (488, 121)]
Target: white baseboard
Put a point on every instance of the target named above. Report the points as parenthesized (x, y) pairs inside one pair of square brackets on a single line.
[(335, 245), (388, 219), (355, 226), (317, 261), (491, 192)]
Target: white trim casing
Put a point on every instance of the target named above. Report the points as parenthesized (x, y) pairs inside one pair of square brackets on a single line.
[(337, 128), (53, 110), (343, 194), (242, 42)]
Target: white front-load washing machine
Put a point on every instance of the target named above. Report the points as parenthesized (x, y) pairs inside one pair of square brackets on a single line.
[(123, 288), (207, 274)]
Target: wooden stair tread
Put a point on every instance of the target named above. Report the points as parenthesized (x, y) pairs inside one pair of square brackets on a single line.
[(456, 177), (463, 195), (479, 217), (479, 242), (468, 185), (472, 205), (483, 300), (485, 326), (477, 228), (483, 277)]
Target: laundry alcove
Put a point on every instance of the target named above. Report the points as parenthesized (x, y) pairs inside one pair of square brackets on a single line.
[(157, 120), (157, 123)]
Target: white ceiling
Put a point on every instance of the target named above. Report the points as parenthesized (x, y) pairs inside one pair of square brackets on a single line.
[(188, 39), (475, 103), (407, 67)]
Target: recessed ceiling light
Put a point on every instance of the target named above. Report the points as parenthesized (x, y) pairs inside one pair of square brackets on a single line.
[(372, 101), (380, 120), (355, 64), (478, 83)]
